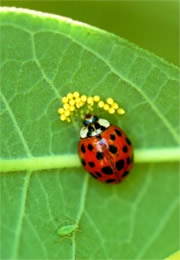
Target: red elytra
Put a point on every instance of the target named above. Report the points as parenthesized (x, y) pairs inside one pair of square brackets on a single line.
[(105, 150)]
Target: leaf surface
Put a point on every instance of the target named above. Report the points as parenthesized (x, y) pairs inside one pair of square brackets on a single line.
[(43, 57)]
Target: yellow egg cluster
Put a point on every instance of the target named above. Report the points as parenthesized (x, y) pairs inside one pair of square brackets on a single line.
[(73, 101)]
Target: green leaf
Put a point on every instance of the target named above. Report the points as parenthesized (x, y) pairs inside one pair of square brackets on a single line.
[(42, 58)]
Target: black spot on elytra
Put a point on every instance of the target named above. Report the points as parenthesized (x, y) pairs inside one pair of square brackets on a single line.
[(83, 162), (107, 170), (125, 149), (91, 164), (92, 174), (118, 132), (128, 141), (112, 137), (125, 174), (110, 180), (99, 155), (83, 150), (119, 165), (98, 174), (90, 147), (128, 160), (112, 149)]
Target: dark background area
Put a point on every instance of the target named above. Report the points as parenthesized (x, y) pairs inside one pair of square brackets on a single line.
[(152, 25)]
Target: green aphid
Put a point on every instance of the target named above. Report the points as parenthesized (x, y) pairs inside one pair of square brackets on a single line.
[(67, 230)]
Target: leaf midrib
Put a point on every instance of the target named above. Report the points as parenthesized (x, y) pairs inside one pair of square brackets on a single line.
[(72, 160)]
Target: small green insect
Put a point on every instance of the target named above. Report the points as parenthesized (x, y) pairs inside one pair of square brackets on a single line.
[(67, 230)]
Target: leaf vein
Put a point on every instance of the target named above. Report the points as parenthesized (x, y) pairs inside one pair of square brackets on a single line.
[(20, 219), (159, 228), (81, 210), (13, 118)]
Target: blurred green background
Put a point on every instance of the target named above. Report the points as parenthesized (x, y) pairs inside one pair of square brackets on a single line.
[(153, 25)]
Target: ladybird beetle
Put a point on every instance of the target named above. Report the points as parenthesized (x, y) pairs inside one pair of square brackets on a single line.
[(105, 150)]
